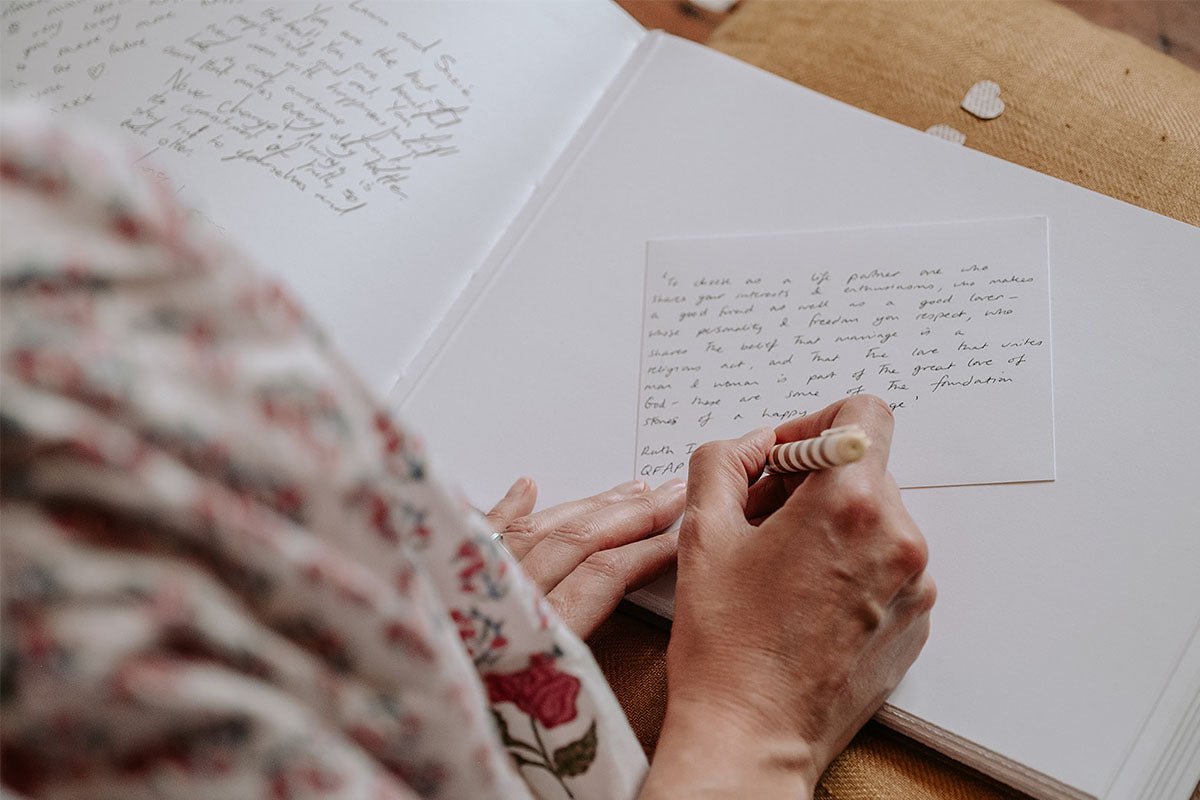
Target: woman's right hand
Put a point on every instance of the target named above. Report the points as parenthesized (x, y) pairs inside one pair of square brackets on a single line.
[(801, 602)]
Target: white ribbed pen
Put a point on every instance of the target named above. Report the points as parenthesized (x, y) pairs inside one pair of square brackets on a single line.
[(844, 444)]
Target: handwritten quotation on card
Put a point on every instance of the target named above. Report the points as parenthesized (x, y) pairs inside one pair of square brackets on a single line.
[(949, 324)]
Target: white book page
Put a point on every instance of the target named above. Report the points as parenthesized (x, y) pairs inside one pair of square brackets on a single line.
[(1063, 605), (949, 324), (371, 152)]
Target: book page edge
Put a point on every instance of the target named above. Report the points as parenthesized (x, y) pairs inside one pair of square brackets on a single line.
[(989, 762)]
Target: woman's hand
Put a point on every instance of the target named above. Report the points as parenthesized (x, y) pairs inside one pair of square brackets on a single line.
[(801, 602), (585, 555)]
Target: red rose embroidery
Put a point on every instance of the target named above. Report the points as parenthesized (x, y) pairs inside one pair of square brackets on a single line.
[(539, 690)]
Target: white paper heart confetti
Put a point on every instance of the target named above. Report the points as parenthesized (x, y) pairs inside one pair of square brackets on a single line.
[(983, 100), (947, 133)]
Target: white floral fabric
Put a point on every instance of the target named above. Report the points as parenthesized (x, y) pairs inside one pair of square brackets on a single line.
[(227, 573)]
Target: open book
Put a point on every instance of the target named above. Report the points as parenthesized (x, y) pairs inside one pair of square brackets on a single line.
[(464, 195)]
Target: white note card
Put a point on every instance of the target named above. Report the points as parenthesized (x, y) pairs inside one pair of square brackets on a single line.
[(949, 323)]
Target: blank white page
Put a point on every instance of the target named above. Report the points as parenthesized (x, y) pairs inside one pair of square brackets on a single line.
[(1064, 606)]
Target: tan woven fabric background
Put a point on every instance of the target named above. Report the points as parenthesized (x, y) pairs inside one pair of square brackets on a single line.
[(1084, 104)]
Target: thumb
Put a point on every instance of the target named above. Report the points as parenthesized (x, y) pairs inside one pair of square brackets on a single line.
[(720, 472)]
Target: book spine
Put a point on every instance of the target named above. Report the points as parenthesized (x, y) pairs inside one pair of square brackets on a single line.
[(544, 193)]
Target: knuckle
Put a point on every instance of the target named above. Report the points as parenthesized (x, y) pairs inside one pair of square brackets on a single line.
[(859, 509), (870, 615), (605, 567), (523, 529), (578, 532), (910, 553), (644, 506), (927, 594), (522, 526), (836, 682), (603, 499)]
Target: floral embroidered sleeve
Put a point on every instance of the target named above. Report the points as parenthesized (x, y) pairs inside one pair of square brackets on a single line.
[(226, 571)]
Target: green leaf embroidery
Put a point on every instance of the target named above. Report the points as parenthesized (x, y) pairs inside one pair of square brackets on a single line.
[(502, 726), (522, 761), (574, 758), (508, 739)]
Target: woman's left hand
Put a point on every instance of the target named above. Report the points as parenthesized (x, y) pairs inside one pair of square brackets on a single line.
[(585, 555)]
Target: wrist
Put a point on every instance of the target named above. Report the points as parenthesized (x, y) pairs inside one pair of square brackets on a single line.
[(703, 752)]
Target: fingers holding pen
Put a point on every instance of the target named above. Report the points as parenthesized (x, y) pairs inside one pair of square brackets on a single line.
[(858, 502), (865, 412), (852, 487), (720, 472), (832, 581)]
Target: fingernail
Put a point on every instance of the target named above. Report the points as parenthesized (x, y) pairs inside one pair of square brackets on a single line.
[(674, 485), (520, 485), (631, 487)]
